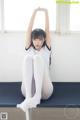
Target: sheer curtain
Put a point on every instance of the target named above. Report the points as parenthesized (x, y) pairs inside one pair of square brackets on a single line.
[(75, 17), (0, 15)]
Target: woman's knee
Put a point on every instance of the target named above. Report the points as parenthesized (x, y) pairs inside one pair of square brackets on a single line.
[(38, 58), (27, 58)]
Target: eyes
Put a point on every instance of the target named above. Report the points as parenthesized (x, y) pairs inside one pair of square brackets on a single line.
[(38, 39)]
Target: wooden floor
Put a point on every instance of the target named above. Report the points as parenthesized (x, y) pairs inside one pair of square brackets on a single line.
[(55, 114), (12, 114), (41, 114)]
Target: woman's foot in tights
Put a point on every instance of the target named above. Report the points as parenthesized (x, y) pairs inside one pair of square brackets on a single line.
[(29, 103)]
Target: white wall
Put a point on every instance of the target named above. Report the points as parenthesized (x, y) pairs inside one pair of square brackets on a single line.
[(65, 57), (11, 55)]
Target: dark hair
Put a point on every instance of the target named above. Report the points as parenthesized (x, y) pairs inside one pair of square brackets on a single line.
[(38, 33)]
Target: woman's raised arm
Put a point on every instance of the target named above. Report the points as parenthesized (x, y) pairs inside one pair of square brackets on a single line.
[(48, 38), (29, 30)]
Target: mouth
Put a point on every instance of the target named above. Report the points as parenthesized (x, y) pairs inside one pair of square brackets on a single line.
[(37, 46)]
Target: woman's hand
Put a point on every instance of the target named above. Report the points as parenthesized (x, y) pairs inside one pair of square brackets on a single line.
[(41, 9)]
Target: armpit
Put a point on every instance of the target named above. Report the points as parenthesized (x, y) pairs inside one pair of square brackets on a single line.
[(48, 47)]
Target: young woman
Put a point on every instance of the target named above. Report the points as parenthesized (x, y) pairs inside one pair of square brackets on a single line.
[(36, 64)]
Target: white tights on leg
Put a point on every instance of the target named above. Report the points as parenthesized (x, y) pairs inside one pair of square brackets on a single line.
[(38, 68), (47, 88), (27, 74), (38, 76)]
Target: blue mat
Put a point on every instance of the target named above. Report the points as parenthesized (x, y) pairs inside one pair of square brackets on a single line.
[(64, 95), (10, 94)]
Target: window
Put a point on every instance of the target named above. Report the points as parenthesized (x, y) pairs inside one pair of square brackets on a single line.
[(17, 13), (0, 15), (75, 17)]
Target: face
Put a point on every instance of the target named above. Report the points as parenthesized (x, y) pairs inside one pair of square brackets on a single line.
[(38, 43)]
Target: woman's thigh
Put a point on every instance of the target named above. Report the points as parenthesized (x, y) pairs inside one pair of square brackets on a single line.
[(47, 87), (27, 59)]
